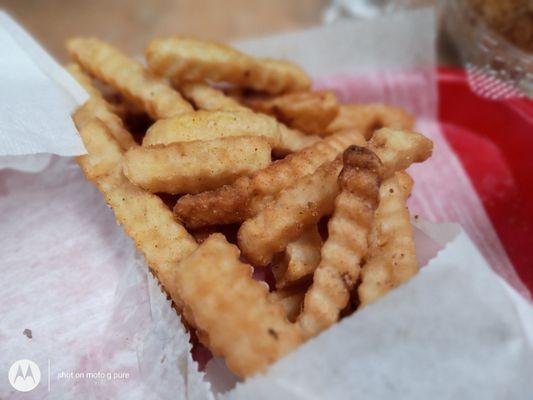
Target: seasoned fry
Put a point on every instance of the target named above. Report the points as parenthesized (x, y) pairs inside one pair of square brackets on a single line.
[(187, 59), (205, 97), (369, 117), (392, 257), (291, 299), (208, 98), (192, 167), (309, 112), (398, 149), (206, 125), (233, 309), (128, 77), (97, 107), (144, 217), (295, 209), (347, 243), (300, 259), (246, 196)]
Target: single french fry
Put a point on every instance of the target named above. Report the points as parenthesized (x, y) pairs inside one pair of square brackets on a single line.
[(392, 257), (347, 242), (246, 196), (187, 59), (295, 209), (233, 309), (398, 149), (206, 125), (309, 112), (208, 98), (370, 117), (97, 107), (128, 77), (144, 217), (300, 259), (193, 167)]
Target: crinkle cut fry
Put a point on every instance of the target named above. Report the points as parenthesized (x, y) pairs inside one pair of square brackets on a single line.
[(97, 107), (310, 112), (233, 309), (285, 219), (392, 256), (144, 217), (207, 125), (196, 166), (187, 59), (369, 117), (347, 243), (398, 149), (247, 195), (207, 98), (128, 77)]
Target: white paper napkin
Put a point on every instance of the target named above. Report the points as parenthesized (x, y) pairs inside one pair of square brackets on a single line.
[(37, 97)]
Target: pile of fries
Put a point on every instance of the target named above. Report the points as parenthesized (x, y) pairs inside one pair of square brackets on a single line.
[(217, 163)]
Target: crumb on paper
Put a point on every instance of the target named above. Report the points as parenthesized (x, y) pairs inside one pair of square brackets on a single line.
[(27, 333)]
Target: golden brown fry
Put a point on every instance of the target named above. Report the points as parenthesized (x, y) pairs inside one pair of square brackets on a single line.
[(246, 196), (144, 217), (391, 257), (310, 112), (300, 259), (347, 243), (208, 98), (206, 125), (205, 97), (192, 167), (369, 117), (187, 59), (295, 209), (97, 107), (233, 309), (291, 299), (128, 77), (398, 149)]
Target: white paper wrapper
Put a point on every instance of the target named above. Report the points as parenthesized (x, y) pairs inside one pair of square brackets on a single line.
[(37, 98), (72, 277)]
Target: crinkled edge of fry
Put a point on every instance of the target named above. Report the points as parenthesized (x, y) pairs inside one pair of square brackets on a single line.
[(370, 117), (188, 59), (129, 77), (98, 107), (309, 112), (347, 243), (392, 256), (243, 324)]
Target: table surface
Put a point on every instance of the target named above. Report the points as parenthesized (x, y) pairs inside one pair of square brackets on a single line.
[(131, 24)]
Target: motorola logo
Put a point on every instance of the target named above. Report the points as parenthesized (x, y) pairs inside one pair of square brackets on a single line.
[(24, 375)]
